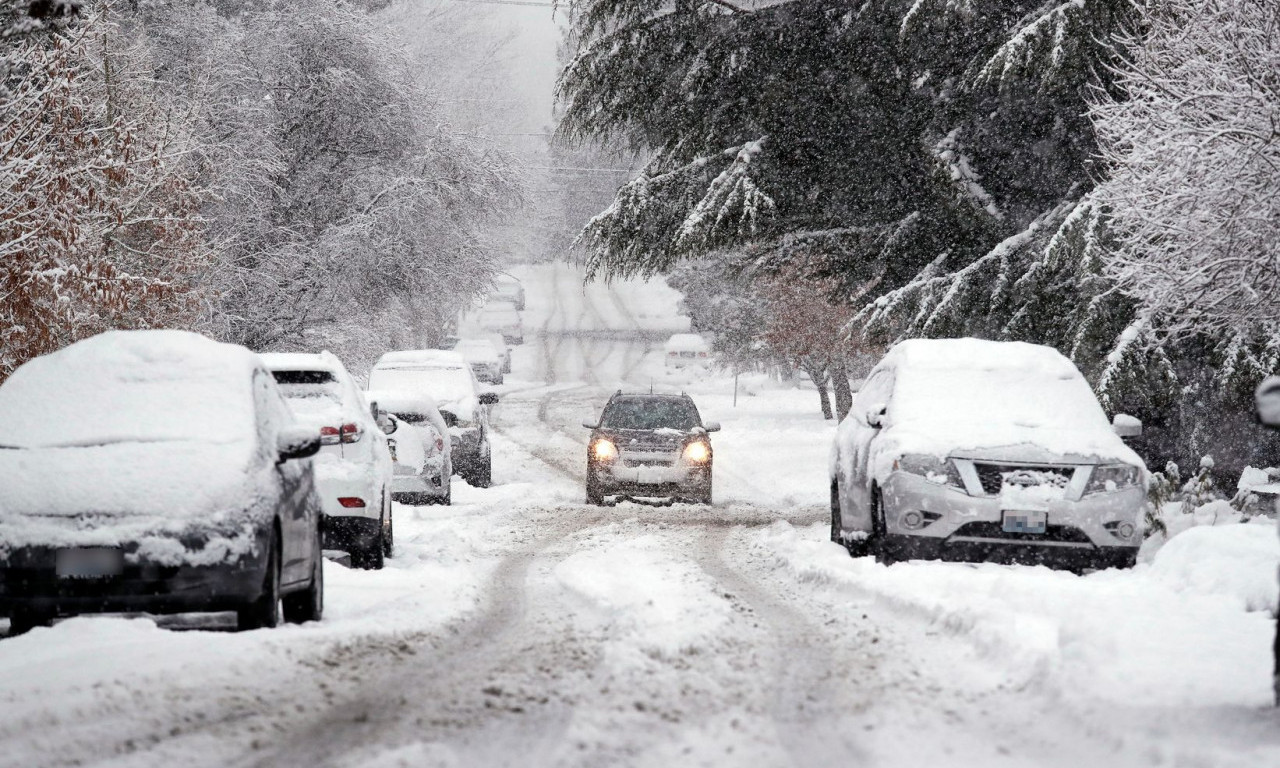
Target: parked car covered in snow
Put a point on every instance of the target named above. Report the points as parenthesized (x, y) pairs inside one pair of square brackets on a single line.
[(504, 350), (962, 449), (485, 359), (501, 317), (650, 446), (508, 288), (685, 349), (353, 469), (1267, 400), (155, 471), (446, 378), (421, 449)]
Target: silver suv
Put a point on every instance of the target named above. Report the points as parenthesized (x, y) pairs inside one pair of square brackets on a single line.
[(961, 449)]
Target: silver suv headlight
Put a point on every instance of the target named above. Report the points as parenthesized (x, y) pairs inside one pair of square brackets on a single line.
[(931, 468), (1108, 478)]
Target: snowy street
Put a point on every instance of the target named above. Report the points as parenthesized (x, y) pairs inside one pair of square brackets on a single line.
[(522, 627)]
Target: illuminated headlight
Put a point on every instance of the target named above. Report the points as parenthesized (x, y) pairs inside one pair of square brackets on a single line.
[(931, 468), (698, 452), (1113, 477), (604, 450)]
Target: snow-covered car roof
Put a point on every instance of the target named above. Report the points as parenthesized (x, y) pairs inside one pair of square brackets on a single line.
[(302, 361), (479, 351), (445, 358), (688, 341), (122, 386), (953, 395)]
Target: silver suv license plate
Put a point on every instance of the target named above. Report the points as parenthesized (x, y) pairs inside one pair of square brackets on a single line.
[(1026, 521), (89, 563)]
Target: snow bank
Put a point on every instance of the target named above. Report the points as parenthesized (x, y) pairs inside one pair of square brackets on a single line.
[(1171, 634)]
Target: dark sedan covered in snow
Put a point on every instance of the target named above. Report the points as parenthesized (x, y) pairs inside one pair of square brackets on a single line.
[(155, 472)]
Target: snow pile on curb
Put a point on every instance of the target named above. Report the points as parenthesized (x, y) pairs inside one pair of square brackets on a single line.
[(1177, 632)]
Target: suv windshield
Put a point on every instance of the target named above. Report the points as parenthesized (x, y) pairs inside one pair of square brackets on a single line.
[(650, 413)]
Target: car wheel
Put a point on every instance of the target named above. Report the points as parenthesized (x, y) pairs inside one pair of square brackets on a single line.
[(837, 525), (876, 541), (388, 544), (264, 612), (308, 605), (705, 496), (482, 474), (22, 622), (595, 494)]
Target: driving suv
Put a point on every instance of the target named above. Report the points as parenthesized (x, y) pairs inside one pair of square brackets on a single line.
[(963, 449), (648, 446)]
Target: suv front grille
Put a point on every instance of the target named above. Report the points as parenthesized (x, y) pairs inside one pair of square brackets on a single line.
[(992, 476), (994, 532)]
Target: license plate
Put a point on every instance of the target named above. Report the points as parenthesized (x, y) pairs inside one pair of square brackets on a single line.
[(1026, 521), (89, 563)]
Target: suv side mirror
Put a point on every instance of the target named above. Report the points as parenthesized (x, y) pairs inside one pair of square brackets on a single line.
[(1267, 401), (386, 423), (712, 426), (590, 425), (488, 398), (1126, 426), (296, 442), (876, 414)]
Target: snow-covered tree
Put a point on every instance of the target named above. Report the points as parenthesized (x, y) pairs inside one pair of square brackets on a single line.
[(1192, 151)]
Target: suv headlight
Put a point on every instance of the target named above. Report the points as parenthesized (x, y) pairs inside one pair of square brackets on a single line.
[(931, 468), (1107, 478), (604, 450), (698, 452)]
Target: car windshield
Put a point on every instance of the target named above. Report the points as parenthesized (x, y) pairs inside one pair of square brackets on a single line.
[(443, 383), (650, 413), (309, 385)]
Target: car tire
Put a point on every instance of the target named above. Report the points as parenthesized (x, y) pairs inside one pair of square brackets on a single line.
[(595, 494), (264, 613), (388, 543), (877, 542), (22, 622), (705, 497), (482, 471), (308, 604)]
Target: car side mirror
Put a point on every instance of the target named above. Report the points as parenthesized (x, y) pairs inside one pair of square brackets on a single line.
[(590, 425), (296, 442), (1267, 402), (712, 426), (876, 414), (1126, 426), (488, 398), (373, 411), (386, 423)]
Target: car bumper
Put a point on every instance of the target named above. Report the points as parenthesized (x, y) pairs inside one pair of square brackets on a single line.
[(950, 524), (348, 533), (652, 481), (429, 484), (29, 583), (330, 489)]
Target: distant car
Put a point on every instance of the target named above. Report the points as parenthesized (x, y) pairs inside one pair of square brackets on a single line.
[(500, 344), (446, 378), (961, 449), (1267, 402), (421, 448), (485, 359), (157, 472), (504, 319), (509, 289), (649, 446), (685, 349), (353, 470)]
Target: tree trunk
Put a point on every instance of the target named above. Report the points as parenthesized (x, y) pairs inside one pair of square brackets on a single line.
[(840, 386), (819, 375)]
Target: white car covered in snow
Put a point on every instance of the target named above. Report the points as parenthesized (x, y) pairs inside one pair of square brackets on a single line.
[(980, 450), (508, 288), (685, 349), (502, 317), (445, 377), (353, 470), (485, 358), (157, 472), (420, 447)]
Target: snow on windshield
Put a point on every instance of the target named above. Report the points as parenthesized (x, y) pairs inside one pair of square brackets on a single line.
[(650, 414), (123, 386), (443, 383)]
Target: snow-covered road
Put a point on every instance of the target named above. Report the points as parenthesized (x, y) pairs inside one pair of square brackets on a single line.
[(523, 627)]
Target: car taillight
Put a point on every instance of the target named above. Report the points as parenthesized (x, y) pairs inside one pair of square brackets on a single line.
[(351, 433), (702, 354), (439, 443), (673, 354), (329, 436), (351, 502)]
